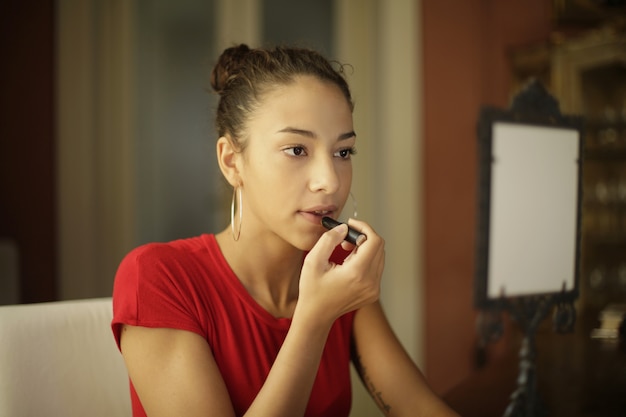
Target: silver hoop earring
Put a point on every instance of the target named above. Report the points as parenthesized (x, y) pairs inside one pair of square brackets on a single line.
[(354, 206), (232, 213)]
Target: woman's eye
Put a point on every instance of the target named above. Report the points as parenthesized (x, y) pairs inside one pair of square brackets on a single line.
[(346, 153), (295, 151)]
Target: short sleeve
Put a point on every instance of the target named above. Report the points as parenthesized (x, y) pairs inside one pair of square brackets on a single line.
[(152, 289)]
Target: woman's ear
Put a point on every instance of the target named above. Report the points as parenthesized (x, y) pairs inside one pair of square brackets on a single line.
[(228, 158)]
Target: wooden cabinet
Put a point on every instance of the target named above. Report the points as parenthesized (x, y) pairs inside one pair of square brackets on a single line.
[(587, 74)]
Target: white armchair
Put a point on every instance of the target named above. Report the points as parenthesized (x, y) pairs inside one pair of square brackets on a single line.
[(59, 359)]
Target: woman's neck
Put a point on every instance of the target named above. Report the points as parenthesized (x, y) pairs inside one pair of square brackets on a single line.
[(269, 271)]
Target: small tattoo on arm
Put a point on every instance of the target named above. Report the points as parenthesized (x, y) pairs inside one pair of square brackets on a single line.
[(369, 384)]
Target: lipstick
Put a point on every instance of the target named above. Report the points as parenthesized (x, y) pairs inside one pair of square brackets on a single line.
[(354, 236)]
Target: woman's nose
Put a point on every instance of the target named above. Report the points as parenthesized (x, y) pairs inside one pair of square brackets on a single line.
[(324, 176)]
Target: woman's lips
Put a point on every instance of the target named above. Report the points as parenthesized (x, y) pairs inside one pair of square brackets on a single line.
[(315, 216)]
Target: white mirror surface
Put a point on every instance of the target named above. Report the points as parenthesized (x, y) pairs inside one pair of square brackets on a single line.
[(533, 203)]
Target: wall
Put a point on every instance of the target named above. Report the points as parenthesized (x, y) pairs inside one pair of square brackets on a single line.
[(465, 66), (94, 110), (178, 183), (27, 167)]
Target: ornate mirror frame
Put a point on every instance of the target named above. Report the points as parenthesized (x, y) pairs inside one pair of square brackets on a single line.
[(530, 170)]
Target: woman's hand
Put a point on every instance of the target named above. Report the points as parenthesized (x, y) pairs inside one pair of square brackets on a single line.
[(330, 290)]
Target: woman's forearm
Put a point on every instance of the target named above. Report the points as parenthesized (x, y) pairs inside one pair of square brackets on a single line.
[(288, 386)]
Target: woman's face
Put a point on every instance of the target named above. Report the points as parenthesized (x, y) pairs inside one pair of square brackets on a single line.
[(297, 165)]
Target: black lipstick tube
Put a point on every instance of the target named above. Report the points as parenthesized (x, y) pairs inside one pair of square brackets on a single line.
[(354, 236)]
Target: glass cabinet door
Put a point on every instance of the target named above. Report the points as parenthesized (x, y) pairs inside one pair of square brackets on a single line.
[(603, 90)]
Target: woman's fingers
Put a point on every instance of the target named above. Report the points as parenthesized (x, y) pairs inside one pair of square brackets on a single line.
[(331, 289), (373, 248), (323, 249)]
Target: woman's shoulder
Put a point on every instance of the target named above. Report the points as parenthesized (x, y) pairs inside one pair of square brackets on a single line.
[(165, 284), (173, 249), (173, 254), (180, 259)]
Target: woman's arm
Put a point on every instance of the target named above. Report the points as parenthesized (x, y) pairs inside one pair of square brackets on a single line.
[(389, 374), (175, 374)]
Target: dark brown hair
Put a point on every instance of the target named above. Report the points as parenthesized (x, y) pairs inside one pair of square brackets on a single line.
[(242, 75)]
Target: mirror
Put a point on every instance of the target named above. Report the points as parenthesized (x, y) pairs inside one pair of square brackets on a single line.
[(530, 170)]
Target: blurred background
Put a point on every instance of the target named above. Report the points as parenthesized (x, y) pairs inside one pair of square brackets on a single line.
[(107, 139)]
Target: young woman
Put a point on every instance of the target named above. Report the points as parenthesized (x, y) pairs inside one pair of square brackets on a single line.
[(264, 318)]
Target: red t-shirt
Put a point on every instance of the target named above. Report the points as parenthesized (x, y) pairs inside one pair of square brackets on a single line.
[(187, 284)]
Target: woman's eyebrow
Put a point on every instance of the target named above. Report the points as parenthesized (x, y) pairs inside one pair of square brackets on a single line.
[(310, 134), (347, 135)]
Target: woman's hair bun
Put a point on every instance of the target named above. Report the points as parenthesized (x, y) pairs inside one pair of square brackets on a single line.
[(228, 64)]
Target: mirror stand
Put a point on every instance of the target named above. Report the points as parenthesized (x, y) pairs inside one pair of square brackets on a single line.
[(528, 313), (530, 163)]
